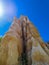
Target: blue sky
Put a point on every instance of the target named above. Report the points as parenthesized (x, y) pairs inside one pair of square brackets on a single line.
[(36, 10)]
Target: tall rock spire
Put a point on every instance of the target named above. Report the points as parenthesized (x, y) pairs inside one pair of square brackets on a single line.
[(23, 34)]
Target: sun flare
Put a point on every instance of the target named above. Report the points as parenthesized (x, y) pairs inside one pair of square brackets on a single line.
[(1, 10)]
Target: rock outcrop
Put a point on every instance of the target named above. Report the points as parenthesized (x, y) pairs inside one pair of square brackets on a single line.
[(23, 33)]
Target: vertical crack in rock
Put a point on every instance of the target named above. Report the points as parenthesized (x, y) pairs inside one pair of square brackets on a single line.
[(24, 39)]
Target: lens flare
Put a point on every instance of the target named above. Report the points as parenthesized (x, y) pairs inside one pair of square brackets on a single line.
[(1, 10)]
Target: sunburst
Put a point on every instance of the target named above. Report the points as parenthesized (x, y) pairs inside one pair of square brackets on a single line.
[(1, 10)]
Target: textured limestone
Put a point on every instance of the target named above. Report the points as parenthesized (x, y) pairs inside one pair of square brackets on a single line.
[(11, 45)]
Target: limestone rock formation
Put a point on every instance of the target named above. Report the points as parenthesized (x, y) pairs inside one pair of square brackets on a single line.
[(23, 37)]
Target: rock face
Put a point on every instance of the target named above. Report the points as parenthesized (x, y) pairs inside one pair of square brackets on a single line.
[(23, 38), (47, 44)]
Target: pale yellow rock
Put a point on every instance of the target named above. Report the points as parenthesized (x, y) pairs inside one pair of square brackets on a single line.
[(11, 45), (10, 51)]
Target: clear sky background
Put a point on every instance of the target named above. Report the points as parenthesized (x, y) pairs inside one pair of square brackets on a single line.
[(36, 10)]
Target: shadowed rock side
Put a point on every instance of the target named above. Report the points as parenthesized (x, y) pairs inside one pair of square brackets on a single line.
[(47, 44), (11, 47)]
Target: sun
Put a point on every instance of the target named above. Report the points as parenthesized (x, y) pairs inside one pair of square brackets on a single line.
[(1, 10)]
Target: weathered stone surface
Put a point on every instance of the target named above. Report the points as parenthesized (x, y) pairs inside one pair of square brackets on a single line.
[(11, 45)]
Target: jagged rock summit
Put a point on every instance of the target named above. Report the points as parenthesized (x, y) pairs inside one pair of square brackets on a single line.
[(22, 45)]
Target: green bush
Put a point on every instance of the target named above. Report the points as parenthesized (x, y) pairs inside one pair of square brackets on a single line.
[(0, 39)]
